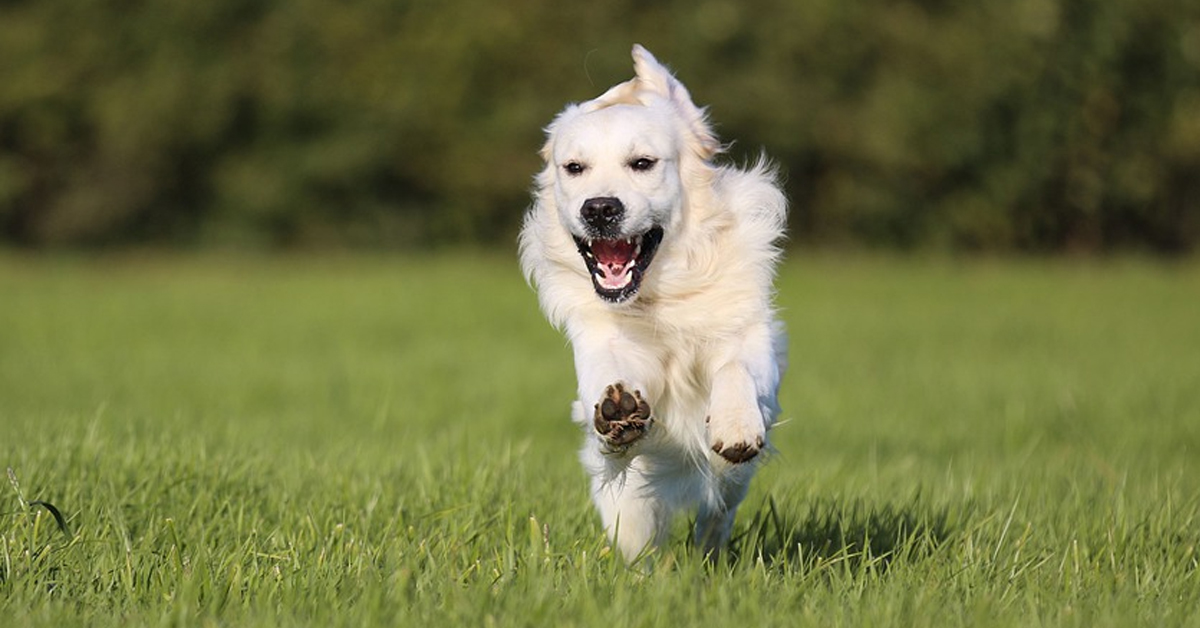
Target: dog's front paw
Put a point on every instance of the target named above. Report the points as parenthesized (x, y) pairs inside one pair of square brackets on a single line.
[(739, 452), (735, 445), (621, 417)]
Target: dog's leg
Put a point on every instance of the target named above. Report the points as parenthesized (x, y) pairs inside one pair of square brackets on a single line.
[(743, 398), (609, 367), (633, 517), (622, 495), (736, 428), (714, 521), (621, 418), (615, 407)]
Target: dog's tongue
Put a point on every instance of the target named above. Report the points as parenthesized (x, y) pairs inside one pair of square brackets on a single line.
[(613, 259)]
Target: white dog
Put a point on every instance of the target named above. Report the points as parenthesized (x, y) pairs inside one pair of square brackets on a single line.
[(658, 264)]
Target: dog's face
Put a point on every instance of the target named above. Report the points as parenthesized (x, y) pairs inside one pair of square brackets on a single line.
[(617, 188), (615, 172)]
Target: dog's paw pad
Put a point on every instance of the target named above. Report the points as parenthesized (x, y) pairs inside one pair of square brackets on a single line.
[(739, 452), (621, 417)]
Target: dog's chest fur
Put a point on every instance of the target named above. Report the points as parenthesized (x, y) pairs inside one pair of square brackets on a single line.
[(671, 340)]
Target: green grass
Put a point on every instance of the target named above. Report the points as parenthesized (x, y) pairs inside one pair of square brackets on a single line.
[(384, 441)]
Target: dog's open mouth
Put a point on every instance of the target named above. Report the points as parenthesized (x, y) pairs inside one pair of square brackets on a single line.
[(617, 266)]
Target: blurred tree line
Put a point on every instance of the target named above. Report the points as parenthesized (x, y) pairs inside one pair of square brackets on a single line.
[(1034, 125)]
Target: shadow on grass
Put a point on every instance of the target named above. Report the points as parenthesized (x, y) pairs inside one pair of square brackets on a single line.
[(852, 535)]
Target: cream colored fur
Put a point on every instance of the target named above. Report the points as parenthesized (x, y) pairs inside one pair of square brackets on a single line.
[(699, 341)]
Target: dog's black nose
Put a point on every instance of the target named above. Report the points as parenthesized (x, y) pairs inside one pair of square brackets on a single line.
[(603, 212)]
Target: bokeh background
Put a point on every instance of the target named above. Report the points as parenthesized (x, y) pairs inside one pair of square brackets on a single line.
[(992, 125)]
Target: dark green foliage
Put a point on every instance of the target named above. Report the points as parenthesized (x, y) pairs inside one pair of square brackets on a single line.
[(997, 125)]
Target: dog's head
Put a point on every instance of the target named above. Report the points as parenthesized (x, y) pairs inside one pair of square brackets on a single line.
[(616, 167)]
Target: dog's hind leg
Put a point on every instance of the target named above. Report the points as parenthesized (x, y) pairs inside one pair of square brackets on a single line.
[(634, 518), (714, 520), (630, 508)]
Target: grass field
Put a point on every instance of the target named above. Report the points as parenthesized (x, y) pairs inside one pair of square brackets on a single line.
[(337, 441)]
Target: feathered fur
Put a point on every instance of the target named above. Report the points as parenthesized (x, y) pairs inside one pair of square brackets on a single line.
[(699, 341)]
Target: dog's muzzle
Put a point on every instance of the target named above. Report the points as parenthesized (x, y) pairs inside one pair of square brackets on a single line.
[(618, 264), (602, 215)]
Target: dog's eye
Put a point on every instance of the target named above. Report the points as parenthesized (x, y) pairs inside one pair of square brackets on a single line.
[(574, 167), (642, 164)]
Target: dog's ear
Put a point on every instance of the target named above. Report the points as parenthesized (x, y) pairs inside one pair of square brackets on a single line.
[(654, 78), (653, 81), (568, 112), (620, 94)]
